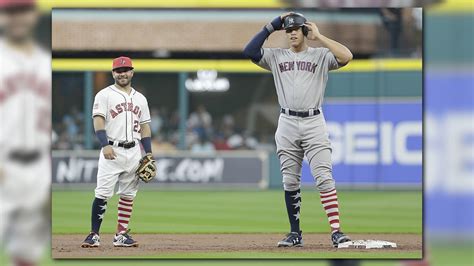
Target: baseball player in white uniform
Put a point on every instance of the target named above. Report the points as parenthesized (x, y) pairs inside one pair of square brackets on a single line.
[(25, 133), (121, 122), (301, 74)]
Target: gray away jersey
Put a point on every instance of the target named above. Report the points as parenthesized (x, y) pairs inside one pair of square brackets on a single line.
[(300, 78)]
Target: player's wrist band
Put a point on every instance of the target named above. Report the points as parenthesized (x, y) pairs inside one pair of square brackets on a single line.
[(274, 25), (146, 143), (102, 137), (269, 28)]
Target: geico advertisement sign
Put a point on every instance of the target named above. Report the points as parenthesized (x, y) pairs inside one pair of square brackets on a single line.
[(449, 153), (382, 133), (369, 143)]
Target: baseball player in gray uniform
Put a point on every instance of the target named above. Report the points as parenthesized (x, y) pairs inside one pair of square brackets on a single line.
[(300, 74)]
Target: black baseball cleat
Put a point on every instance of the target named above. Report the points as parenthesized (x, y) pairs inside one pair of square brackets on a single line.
[(339, 237), (91, 241), (292, 239), (123, 239)]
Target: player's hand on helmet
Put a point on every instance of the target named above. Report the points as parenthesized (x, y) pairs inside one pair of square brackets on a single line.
[(283, 16), (277, 23), (313, 31), (109, 153)]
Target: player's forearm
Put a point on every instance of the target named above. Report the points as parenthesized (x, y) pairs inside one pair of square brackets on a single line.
[(253, 50), (146, 137), (342, 53), (99, 127)]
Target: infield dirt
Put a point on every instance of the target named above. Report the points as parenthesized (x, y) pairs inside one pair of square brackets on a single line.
[(185, 245)]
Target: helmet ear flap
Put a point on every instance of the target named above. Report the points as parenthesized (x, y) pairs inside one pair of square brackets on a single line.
[(305, 30)]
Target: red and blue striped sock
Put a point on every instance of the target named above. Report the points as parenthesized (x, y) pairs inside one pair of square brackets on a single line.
[(331, 207), (125, 207)]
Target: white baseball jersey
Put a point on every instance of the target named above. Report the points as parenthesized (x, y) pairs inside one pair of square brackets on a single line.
[(25, 105), (123, 113), (25, 99)]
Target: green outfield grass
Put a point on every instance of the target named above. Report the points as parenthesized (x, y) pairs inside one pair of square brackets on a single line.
[(241, 212)]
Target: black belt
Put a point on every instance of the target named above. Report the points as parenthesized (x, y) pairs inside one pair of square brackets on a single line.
[(25, 156), (125, 145), (300, 114)]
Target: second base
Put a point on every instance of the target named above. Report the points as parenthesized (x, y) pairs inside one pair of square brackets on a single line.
[(367, 244)]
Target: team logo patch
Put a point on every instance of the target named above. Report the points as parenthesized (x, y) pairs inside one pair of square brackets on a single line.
[(291, 20), (96, 105), (122, 62)]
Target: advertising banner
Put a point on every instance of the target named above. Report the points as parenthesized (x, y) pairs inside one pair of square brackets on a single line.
[(449, 154), (374, 143), (248, 168)]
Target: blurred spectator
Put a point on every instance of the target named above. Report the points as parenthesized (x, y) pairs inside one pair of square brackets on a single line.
[(203, 133), (173, 123), (191, 137), (242, 142), (392, 20), (160, 144), (227, 126), (251, 143), (236, 141), (220, 143), (70, 132), (200, 121), (203, 145), (156, 121), (73, 122), (64, 142)]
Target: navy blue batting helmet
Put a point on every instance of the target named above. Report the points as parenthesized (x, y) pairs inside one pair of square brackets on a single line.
[(295, 20)]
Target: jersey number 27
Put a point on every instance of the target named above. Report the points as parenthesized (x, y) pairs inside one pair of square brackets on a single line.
[(136, 126)]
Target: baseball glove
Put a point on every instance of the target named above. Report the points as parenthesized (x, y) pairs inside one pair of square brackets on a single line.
[(146, 168)]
